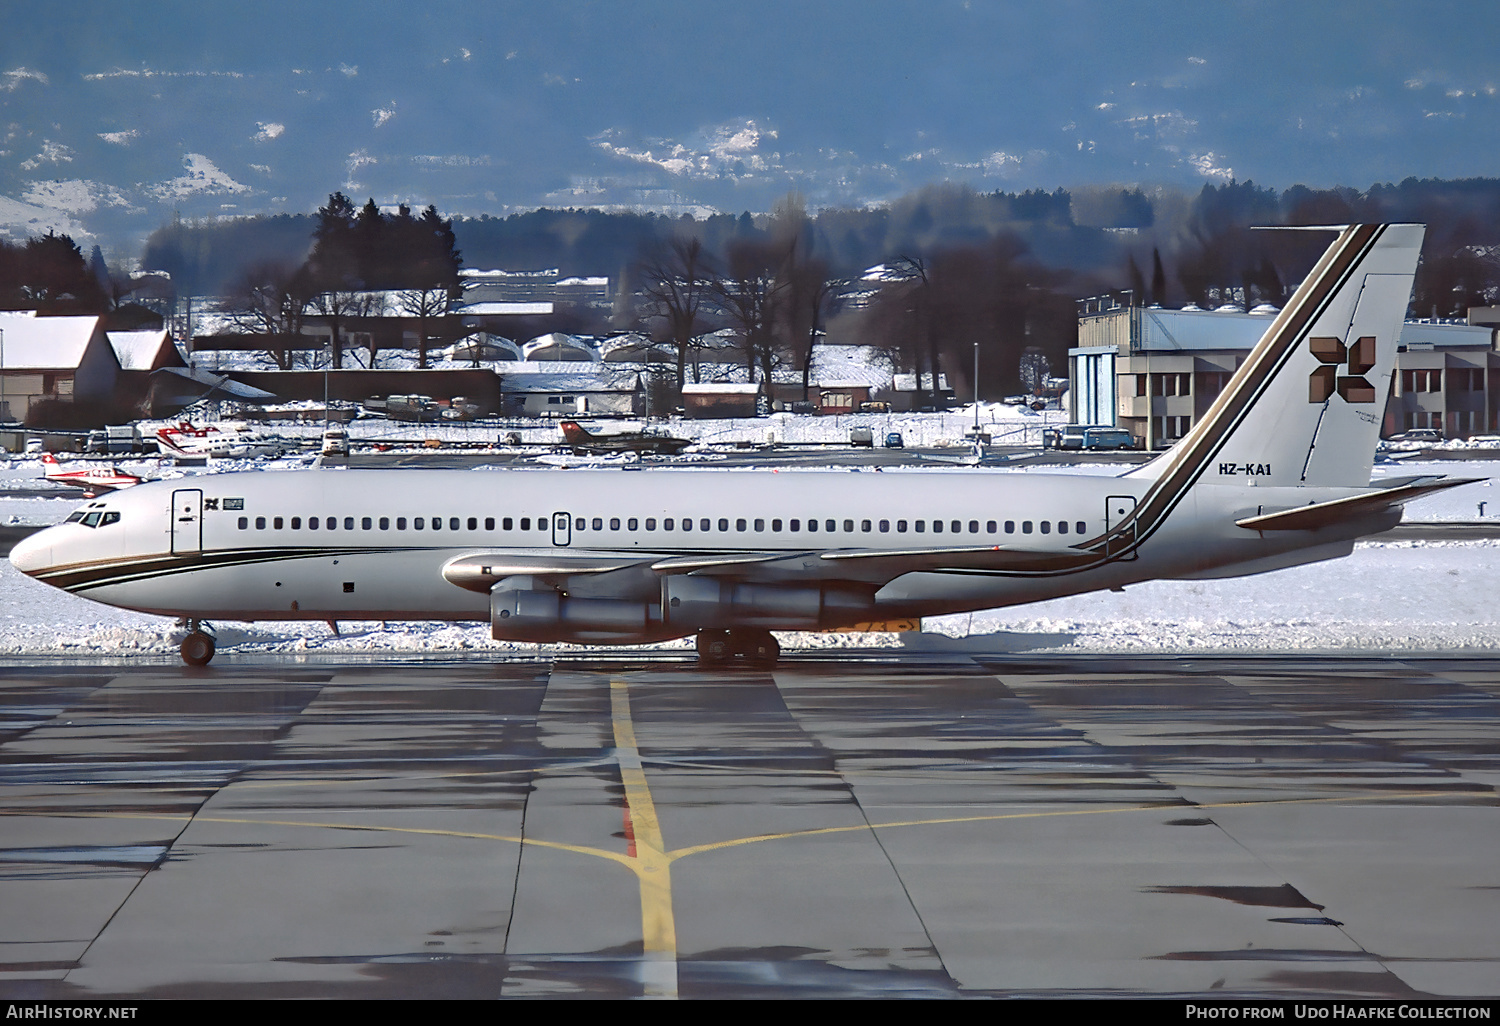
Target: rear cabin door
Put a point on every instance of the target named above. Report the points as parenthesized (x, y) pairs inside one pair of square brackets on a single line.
[(562, 529), (187, 522), (1117, 511)]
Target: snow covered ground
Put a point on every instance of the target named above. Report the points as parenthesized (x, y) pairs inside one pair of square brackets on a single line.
[(1387, 596)]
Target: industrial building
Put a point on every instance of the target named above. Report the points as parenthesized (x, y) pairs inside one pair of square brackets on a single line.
[(1155, 372)]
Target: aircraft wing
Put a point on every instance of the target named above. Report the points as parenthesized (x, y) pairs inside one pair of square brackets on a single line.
[(480, 571), (1322, 514)]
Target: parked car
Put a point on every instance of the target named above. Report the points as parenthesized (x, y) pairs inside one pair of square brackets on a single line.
[(861, 436), (1108, 438), (1428, 435), (894, 441), (336, 442), (1069, 436)]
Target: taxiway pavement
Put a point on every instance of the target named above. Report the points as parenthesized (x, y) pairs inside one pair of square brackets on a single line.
[(867, 825)]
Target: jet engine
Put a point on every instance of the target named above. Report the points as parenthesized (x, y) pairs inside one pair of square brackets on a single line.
[(523, 608), (691, 603)]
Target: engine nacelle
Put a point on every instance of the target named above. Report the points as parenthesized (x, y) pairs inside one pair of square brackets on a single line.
[(524, 609), (690, 603)]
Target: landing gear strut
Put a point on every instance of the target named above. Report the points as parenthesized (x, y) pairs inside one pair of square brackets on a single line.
[(756, 647), (198, 647)]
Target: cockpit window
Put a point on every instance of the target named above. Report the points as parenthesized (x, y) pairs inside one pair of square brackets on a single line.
[(92, 519), (74, 517), (112, 517)]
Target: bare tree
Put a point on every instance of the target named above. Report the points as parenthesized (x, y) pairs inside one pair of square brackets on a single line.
[(270, 299), (750, 294), (676, 282)]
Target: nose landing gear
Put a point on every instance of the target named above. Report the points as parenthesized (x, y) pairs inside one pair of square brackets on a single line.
[(198, 647), (756, 647)]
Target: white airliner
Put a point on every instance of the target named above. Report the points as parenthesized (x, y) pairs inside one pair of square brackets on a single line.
[(1276, 474)]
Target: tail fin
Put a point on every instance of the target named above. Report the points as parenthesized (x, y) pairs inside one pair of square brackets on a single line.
[(1306, 405), (575, 433)]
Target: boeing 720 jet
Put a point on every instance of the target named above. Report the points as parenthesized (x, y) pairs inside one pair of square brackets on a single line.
[(1276, 474)]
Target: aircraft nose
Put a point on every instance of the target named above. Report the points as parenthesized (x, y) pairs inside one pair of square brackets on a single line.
[(32, 554)]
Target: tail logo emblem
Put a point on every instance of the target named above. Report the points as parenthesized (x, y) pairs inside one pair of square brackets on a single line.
[(1333, 354)]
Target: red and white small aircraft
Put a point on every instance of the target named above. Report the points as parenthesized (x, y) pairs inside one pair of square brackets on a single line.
[(92, 480)]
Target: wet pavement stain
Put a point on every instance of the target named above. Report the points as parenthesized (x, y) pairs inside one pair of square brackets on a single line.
[(1284, 896)]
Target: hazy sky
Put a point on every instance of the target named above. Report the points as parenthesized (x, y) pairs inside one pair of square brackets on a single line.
[(115, 115)]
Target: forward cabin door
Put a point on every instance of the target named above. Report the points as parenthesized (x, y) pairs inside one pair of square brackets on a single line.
[(562, 529), (187, 522)]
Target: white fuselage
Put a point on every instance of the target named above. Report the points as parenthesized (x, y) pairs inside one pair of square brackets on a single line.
[(326, 544)]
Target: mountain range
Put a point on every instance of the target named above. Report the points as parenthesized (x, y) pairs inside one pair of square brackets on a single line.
[(117, 117)]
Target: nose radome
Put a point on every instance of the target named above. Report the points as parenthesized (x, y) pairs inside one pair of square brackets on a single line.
[(32, 554)]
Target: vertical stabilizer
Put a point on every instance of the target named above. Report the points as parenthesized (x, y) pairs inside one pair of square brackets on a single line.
[(1305, 407)]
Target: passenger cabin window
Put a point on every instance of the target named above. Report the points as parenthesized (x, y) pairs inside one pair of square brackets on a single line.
[(276, 523)]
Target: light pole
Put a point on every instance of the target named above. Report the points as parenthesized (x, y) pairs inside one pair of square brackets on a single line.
[(976, 393), (4, 403), (326, 362)]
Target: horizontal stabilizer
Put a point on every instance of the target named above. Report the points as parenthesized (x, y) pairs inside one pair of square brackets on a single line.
[(1322, 514)]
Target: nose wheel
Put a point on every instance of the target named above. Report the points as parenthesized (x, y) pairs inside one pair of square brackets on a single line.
[(198, 647), (755, 647)]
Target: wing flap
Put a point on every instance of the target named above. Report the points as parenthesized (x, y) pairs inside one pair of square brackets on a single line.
[(891, 563), (1323, 514), (716, 562)]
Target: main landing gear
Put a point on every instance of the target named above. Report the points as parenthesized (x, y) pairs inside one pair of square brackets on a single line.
[(198, 647), (757, 648)]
